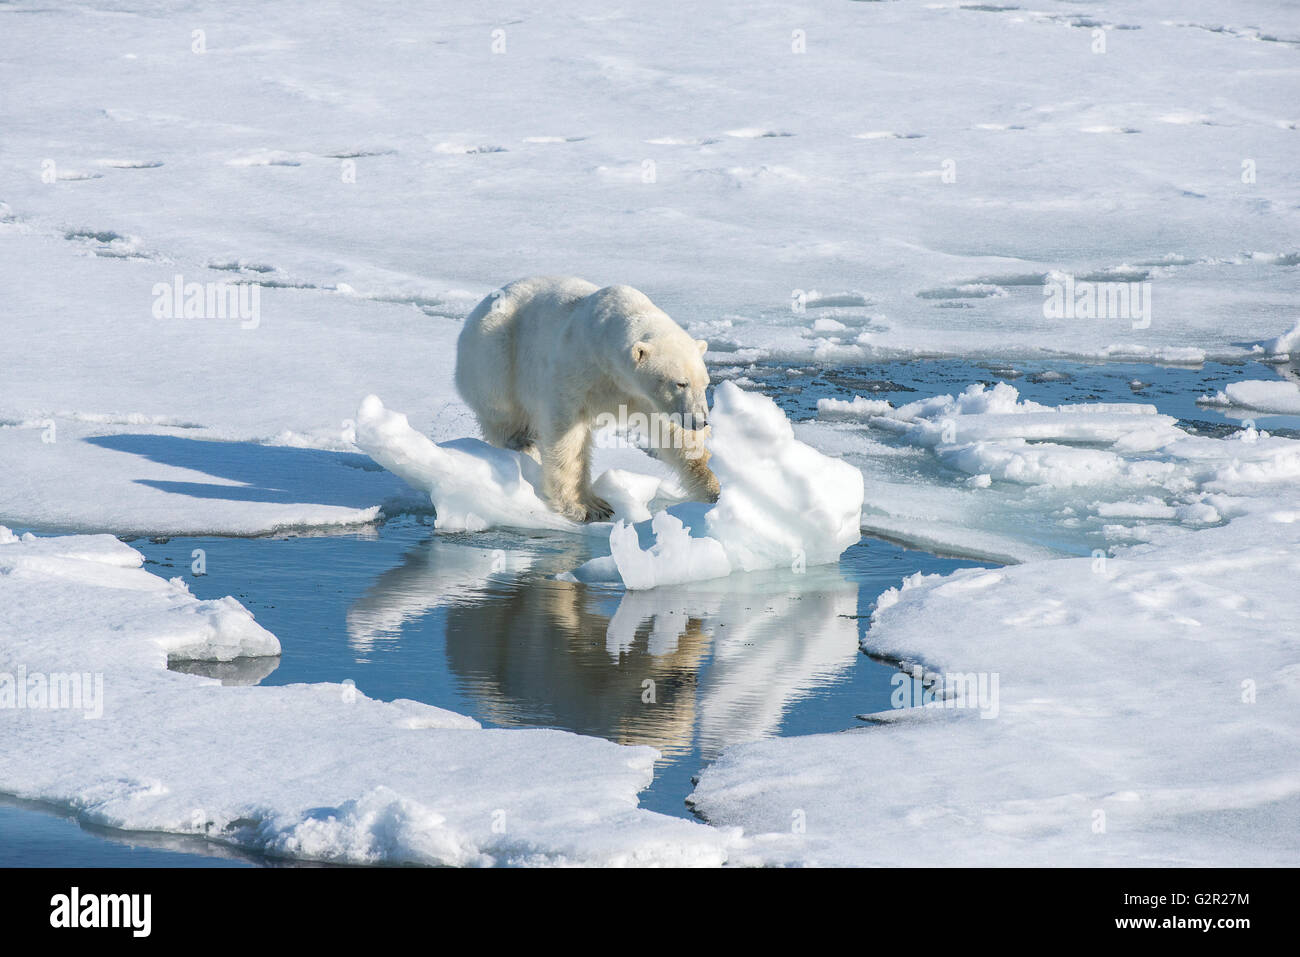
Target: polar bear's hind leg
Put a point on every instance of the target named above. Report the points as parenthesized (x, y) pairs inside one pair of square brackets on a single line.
[(524, 441), (509, 432)]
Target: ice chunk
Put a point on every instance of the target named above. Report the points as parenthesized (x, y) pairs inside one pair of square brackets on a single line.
[(858, 408), (1286, 343), (782, 501), (783, 504), (674, 557), (986, 474), (1277, 397), (473, 485)]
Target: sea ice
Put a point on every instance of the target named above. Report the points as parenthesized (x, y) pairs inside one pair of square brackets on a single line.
[(1143, 711), (1271, 397)]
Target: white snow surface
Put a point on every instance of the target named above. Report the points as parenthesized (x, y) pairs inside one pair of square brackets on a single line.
[(1276, 397), (716, 168), (1147, 715), (317, 772)]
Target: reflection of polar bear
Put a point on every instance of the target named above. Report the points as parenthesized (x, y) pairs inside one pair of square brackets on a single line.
[(540, 359)]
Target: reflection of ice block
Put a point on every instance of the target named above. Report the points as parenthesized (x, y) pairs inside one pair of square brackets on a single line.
[(428, 577), (803, 635), (776, 637)]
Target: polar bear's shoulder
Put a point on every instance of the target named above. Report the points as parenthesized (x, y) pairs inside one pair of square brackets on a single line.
[(623, 298), (628, 307)]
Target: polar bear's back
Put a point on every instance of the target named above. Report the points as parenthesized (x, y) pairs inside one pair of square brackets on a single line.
[(498, 354)]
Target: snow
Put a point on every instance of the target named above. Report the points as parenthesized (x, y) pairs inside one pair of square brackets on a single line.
[(828, 166), (148, 480), (317, 772), (111, 420), (1156, 691), (869, 253), (1278, 397), (1286, 343), (471, 484)]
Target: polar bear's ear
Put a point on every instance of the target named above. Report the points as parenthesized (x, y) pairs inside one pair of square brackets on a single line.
[(703, 346), (640, 351)]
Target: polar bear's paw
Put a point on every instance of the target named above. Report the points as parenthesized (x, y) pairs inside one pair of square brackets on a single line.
[(708, 488), (701, 484), (596, 509), (590, 508)]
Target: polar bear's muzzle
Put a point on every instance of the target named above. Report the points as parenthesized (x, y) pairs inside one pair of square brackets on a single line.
[(693, 410), (694, 421)]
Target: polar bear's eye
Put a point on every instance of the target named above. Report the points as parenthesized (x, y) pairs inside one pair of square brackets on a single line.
[(682, 385)]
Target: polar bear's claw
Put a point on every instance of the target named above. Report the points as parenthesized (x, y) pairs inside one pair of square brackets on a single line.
[(598, 510)]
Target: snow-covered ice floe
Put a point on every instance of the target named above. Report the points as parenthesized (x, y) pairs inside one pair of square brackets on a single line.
[(1278, 397), (1142, 709), (112, 420), (94, 721), (755, 203), (783, 503)]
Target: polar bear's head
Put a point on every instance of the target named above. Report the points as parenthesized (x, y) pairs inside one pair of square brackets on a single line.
[(668, 372)]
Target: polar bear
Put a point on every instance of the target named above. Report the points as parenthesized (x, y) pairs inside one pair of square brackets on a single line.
[(541, 359)]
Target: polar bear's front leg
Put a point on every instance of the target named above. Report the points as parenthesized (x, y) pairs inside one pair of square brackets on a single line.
[(686, 451), (566, 477)]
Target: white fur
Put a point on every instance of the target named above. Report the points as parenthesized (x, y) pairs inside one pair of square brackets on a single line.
[(540, 359)]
